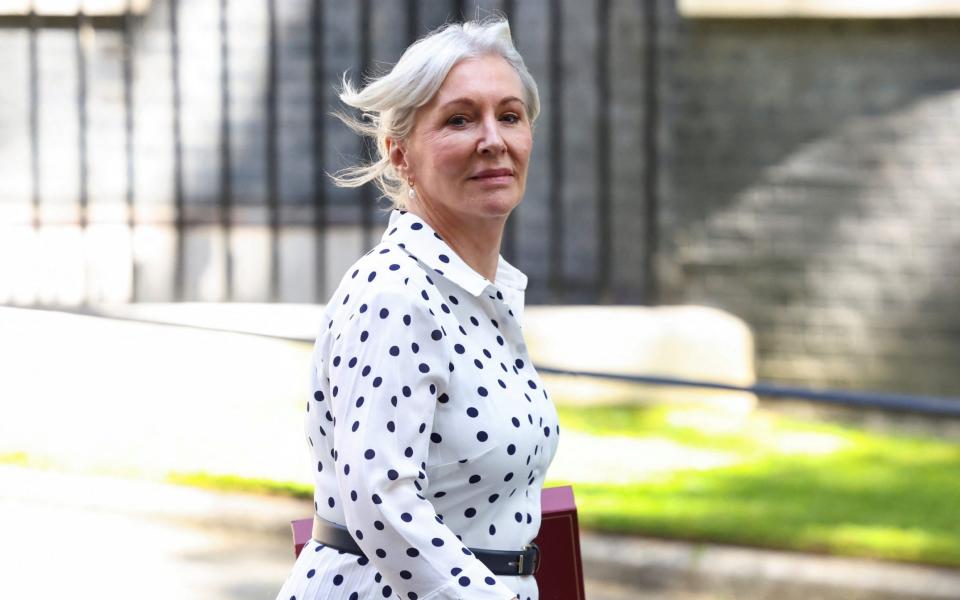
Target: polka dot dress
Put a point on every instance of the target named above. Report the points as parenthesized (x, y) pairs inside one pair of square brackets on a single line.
[(430, 430)]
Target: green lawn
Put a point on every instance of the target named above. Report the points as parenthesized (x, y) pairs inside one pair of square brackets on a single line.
[(791, 484), (797, 485), (236, 483)]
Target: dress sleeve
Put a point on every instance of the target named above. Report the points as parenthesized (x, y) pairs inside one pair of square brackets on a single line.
[(387, 366)]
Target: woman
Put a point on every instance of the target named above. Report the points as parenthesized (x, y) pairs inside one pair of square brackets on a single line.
[(431, 431)]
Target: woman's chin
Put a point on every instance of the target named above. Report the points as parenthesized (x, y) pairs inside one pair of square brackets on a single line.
[(497, 204)]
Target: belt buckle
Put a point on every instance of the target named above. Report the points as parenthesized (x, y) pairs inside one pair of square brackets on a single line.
[(536, 559)]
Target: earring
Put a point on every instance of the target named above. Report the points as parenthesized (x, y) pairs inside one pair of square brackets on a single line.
[(411, 193)]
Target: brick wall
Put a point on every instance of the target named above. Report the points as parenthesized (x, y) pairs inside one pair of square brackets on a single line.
[(812, 187)]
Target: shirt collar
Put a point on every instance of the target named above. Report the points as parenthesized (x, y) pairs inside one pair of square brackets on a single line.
[(422, 242)]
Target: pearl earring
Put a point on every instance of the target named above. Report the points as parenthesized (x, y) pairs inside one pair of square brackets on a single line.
[(411, 193)]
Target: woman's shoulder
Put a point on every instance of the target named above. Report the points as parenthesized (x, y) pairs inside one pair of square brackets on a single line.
[(385, 267), (384, 290), (385, 272)]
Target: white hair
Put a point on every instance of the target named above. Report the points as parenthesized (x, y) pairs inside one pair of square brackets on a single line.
[(387, 104)]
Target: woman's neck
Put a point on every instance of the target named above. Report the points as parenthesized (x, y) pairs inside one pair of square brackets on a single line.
[(476, 241)]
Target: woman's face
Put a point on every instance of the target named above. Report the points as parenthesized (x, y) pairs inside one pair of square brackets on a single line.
[(470, 145)]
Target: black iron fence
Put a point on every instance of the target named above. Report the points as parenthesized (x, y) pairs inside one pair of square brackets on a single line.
[(585, 233)]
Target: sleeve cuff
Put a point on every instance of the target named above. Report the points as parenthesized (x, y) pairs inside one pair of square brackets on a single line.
[(454, 591)]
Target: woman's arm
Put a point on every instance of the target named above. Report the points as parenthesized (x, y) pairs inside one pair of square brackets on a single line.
[(386, 367)]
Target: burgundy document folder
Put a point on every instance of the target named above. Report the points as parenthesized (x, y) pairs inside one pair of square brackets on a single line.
[(560, 576)]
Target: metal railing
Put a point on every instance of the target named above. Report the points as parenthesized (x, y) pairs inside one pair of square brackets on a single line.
[(555, 282), (940, 406)]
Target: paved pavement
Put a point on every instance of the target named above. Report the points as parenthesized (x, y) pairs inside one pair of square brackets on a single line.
[(89, 395), (83, 536), (78, 536)]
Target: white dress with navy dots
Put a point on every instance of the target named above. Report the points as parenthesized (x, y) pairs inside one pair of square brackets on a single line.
[(430, 428)]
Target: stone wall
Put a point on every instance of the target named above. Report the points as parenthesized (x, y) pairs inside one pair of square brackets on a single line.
[(811, 188)]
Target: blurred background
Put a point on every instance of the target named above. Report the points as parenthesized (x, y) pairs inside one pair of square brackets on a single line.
[(761, 194)]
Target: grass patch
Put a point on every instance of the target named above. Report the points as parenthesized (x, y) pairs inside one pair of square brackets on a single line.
[(17, 459), (199, 479), (236, 483), (798, 485)]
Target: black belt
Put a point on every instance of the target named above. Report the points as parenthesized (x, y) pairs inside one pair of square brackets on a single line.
[(500, 562)]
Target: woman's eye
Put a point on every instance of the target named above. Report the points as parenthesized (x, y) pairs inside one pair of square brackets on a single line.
[(457, 120), (511, 118)]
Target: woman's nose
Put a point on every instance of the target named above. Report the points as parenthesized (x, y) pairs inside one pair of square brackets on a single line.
[(491, 141)]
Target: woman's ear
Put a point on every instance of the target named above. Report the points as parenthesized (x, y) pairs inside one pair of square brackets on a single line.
[(397, 153)]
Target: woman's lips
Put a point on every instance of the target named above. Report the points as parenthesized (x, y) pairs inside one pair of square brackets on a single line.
[(494, 176)]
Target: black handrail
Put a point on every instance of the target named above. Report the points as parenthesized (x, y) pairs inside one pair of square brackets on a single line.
[(917, 404)]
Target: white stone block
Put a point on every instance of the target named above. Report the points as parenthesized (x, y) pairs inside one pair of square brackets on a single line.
[(250, 247), (155, 249), (298, 271), (344, 245), (692, 342), (204, 264), (61, 268), (109, 249)]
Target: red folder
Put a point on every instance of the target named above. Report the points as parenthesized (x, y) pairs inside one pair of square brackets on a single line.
[(560, 575)]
